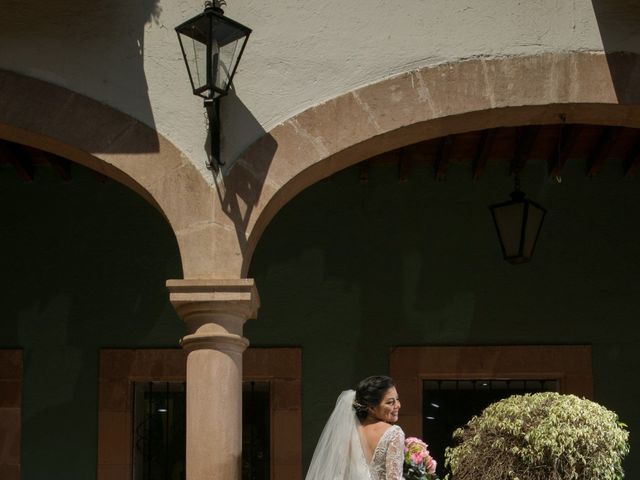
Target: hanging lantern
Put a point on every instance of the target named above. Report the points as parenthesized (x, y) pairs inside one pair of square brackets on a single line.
[(518, 223), (212, 45)]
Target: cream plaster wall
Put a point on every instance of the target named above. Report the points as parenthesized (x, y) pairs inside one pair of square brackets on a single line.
[(302, 52)]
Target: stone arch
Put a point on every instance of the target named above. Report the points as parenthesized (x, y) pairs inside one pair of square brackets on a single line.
[(217, 228), (475, 94), (54, 119)]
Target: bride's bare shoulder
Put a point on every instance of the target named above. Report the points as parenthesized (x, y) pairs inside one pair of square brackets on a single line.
[(374, 431)]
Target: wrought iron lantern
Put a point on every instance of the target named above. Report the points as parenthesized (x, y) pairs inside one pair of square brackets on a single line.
[(518, 223), (212, 45)]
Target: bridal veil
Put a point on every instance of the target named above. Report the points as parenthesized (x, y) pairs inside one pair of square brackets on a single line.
[(339, 455)]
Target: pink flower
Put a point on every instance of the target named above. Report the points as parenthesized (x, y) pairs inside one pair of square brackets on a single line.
[(413, 442), (431, 466), (416, 454)]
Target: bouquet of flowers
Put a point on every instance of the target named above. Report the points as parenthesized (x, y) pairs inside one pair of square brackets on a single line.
[(418, 463)]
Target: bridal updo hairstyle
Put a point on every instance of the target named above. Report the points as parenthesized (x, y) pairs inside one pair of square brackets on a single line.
[(369, 393)]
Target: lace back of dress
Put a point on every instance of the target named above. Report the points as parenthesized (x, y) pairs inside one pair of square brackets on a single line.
[(388, 456)]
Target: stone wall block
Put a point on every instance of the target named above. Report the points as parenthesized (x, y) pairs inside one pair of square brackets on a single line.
[(114, 472), (287, 147), (283, 363), (114, 364), (287, 471), (412, 425), (10, 472), (115, 395), (148, 364), (407, 389), (10, 393), (286, 394), (9, 436), (207, 245), (289, 427), (174, 365), (11, 364), (114, 430)]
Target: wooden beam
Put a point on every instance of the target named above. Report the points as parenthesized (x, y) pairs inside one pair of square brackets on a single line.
[(525, 140), (363, 171), (567, 141), (61, 166), (602, 150), (17, 156), (37, 156), (404, 166), (442, 156), (102, 178), (484, 150)]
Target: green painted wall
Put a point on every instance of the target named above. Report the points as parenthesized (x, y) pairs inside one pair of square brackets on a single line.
[(83, 267), (348, 270)]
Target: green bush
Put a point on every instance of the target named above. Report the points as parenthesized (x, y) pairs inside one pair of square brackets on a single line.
[(541, 436)]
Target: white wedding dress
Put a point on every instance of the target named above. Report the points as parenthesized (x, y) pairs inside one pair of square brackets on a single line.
[(339, 454), (387, 459)]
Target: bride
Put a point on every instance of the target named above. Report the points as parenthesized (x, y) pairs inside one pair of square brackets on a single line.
[(360, 442)]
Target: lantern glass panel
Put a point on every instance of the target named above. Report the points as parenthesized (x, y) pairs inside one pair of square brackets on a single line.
[(227, 59), (195, 54), (228, 41), (508, 219), (535, 216), (211, 77)]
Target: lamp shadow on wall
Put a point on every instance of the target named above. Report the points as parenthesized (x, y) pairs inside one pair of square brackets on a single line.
[(95, 49), (619, 26), (238, 184)]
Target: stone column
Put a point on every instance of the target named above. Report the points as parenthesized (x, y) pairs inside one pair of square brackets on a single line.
[(214, 312)]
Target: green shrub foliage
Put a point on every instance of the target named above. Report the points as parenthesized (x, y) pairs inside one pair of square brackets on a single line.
[(541, 436)]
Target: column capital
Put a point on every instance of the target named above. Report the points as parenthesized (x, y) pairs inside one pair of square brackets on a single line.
[(238, 297), (214, 311)]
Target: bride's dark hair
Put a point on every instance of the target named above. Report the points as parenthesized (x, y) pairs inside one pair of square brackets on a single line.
[(369, 393)]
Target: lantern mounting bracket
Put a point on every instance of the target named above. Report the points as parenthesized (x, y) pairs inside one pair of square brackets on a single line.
[(517, 195), (212, 107)]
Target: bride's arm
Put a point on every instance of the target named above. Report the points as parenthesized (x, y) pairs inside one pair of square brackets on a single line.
[(395, 455)]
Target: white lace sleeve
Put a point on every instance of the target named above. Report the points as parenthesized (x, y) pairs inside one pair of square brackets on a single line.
[(395, 454)]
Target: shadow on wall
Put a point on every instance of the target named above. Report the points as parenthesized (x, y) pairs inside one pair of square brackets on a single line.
[(619, 25), (237, 123), (240, 185), (82, 46)]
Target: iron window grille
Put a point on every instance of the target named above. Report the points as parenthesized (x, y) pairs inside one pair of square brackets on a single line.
[(159, 431)]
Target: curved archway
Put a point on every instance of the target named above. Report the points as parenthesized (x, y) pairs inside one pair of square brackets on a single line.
[(116, 145), (218, 228), (417, 106)]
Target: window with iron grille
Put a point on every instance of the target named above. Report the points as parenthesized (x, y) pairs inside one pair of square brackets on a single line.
[(449, 404), (159, 431), (255, 431)]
